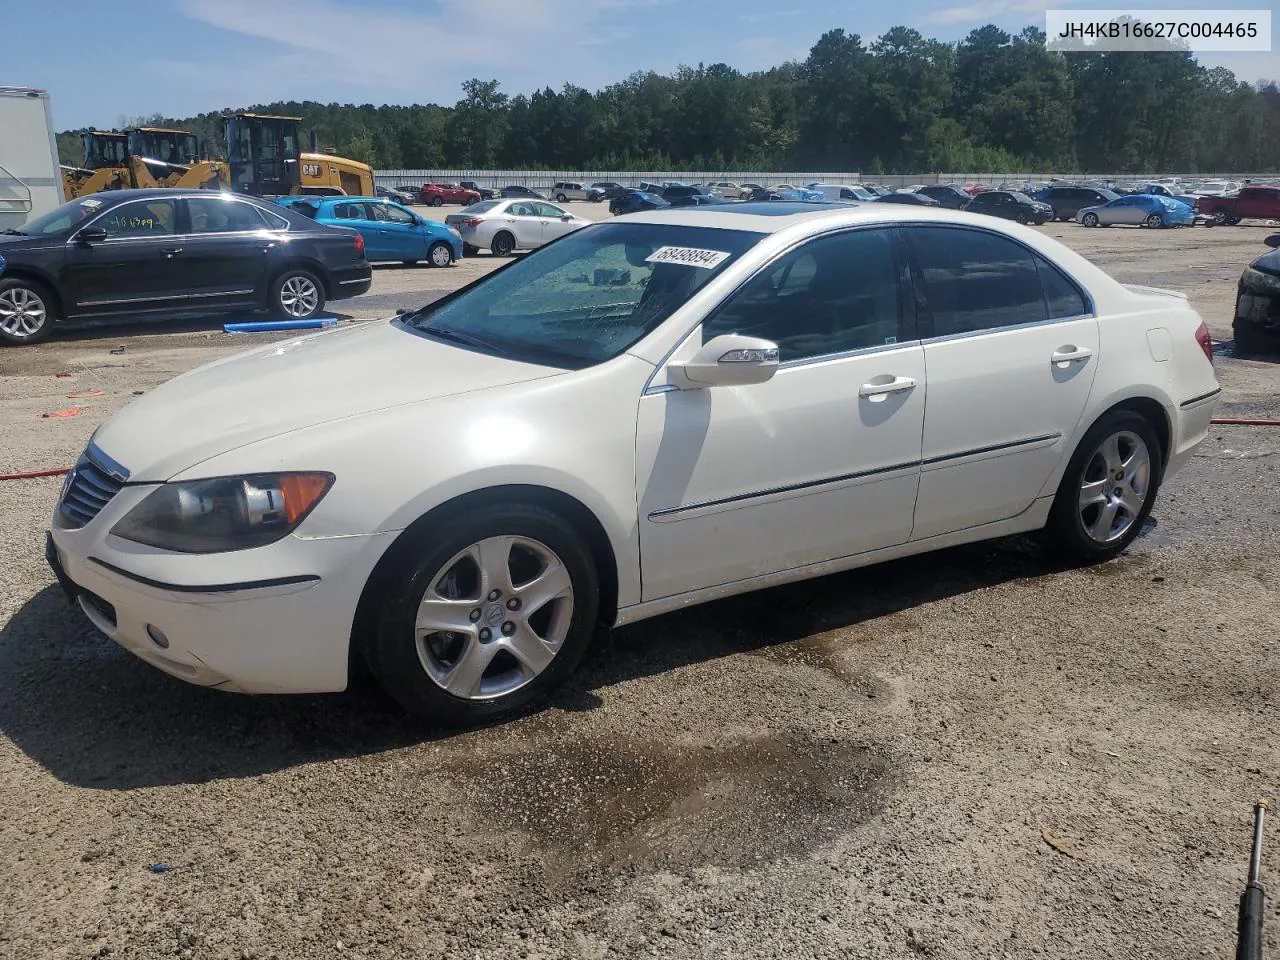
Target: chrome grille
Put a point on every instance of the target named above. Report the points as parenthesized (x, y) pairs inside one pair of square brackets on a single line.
[(93, 482)]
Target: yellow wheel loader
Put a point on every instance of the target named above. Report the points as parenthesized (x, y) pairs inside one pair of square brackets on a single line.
[(267, 160), (142, 157)]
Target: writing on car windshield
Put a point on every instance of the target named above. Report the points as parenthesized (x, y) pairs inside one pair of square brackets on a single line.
[(587, 297)]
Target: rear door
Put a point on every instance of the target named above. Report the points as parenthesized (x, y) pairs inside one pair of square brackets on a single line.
[(354, 214), (135, 268), (225, 255), (1010, 351)]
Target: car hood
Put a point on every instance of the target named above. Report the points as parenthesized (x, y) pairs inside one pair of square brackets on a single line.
[(293, 384), (1269, 262)]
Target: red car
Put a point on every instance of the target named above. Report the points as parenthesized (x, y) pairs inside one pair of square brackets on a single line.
[(1258, 203), (435, 194)]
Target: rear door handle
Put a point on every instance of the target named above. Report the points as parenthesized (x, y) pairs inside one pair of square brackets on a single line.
[(172, 252), (1070, 354), (880, 387)]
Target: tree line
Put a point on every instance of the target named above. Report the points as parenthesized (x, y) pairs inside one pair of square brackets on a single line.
[(901, 103)]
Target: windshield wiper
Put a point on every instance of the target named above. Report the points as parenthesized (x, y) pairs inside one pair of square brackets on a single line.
[(466, 339)]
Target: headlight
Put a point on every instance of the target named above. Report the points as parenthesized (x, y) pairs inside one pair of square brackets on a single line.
[(223, 513)]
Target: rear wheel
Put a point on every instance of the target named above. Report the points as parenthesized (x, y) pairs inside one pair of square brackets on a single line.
[(27, 312), (1089, 219), (437, 201), (297, 295), (503, 244), (485, 616), (1108, 488), (1220, 216), (561, 197), (439, 254), (1155, 221)]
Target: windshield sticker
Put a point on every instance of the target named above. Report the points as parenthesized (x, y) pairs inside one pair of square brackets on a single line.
[(689, 256)]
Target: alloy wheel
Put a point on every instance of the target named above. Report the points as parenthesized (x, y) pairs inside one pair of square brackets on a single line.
[(1155, 220), (22, 312), (299, 296), (494, 617), (1114, 487), (1090, 220)]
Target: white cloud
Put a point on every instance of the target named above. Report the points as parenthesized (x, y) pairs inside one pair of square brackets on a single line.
[(986, 11)]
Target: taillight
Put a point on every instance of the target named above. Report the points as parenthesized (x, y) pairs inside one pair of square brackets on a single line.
[(1205, 341), (472, 222), (359, 243)]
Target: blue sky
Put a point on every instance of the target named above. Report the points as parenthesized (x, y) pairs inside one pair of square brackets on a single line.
[(182, 57)]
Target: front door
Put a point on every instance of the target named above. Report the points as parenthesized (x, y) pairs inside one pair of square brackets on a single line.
[(224, 258), (1011, 348), (523, 222), (398, 232), (553, 223), (135, 268), (821, 461)]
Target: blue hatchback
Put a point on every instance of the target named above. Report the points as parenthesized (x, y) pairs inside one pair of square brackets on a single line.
[(390, 231)]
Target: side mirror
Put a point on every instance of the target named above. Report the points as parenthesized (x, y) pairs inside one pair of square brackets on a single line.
[(1273, 241), (91, 235), (567, 217), (728, 360)]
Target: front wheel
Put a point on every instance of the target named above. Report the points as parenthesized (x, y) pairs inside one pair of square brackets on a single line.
[(439, 255), (297, 295), (485, 614), (1089, 219), (1155, 221), (1108, 488), (503, 244), (27, 312)]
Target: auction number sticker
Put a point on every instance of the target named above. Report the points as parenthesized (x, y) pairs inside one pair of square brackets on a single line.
[(689, 256)]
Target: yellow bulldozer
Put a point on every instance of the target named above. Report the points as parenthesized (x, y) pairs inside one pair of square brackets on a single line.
[(143, 157), (267, 160)]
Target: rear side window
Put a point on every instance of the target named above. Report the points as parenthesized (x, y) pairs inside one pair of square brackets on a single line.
[(348, 211), (973, 280), (1063, 297)]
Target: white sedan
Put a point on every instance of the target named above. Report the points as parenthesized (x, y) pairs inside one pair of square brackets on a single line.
[(504, 226), (656, 411)]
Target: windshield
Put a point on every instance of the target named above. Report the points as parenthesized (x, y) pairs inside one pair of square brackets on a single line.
[(105, 150), (62, 219), (585, 298)]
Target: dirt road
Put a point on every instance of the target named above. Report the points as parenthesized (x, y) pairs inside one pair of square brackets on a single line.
[(975, 754)]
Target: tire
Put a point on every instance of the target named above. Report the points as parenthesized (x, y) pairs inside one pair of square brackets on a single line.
[(561, 198), (27, 312), (1089, 220), (1117, 444), (503, 244), (1233, 221), (1022, 219), (1220, 216), (439, 254), (1252, 340), (437, 201), (297, 295), (470, 250), (420, 670), (1155, 221)]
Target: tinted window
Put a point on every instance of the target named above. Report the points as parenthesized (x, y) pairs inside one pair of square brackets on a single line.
[(833, 294), (141, 218), (1062, 296), (974, 280), (348, 211), (222, 216)]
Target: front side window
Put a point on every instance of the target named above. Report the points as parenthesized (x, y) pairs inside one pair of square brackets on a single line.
[(222, 216), (587, 297), (547, 210), (973, 280), (140, 218), (394, 214), (832, 295)]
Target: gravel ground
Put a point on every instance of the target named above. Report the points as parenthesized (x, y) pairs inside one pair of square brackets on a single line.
[(973, 754)]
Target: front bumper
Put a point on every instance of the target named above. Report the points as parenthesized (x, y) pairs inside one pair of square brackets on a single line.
[(282, 625)]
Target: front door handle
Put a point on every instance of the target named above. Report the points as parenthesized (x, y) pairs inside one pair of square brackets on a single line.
[(171, 252), (878, 388), (1070, 354)]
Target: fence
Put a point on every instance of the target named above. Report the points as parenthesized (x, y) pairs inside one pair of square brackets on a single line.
[(543, 179)]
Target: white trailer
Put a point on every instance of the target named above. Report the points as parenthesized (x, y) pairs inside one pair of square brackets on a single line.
[(30, 177)]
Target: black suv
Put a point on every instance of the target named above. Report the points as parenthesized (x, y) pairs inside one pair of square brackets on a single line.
[(166, 252), (948, 195), (1068, 200)]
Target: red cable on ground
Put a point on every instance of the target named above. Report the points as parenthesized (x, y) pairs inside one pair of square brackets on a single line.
[(32, 474)]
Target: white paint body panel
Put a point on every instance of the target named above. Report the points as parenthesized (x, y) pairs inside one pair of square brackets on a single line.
[(407, 423)]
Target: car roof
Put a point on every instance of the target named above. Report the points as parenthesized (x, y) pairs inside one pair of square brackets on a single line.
[(773, 216)]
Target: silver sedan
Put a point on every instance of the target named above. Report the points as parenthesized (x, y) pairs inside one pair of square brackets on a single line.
[(504, 226)]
